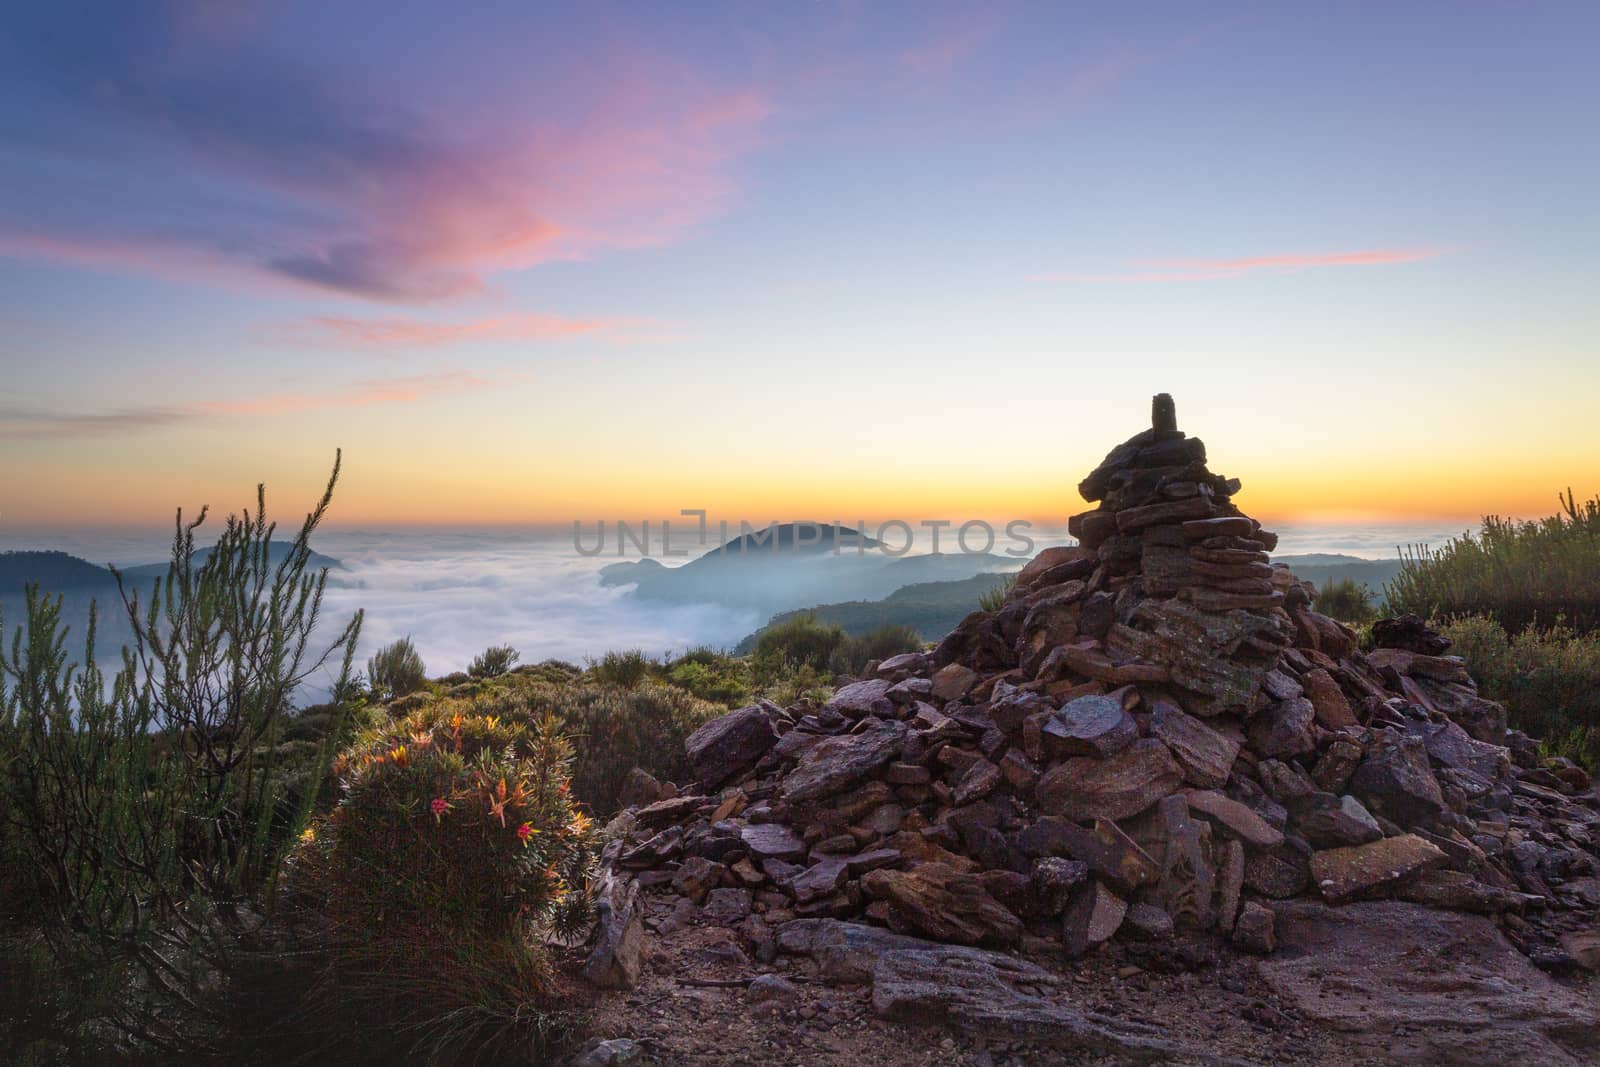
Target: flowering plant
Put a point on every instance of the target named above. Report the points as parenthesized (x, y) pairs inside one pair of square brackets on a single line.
[(453, 829)]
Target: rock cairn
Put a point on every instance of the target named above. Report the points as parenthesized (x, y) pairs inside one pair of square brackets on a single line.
[(1155, 736)]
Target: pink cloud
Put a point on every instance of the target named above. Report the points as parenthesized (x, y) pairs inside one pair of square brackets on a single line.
[(1203, 270), (946, 52), (404, 201), (417, 333), (404, 390), (22, 423)]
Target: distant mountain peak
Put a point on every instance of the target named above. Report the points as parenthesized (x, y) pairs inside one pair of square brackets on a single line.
[(799, 538)]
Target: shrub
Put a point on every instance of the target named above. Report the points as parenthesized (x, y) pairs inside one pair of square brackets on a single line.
[(146, 817), (802, 683), (615, 730), (1549, 680), (801, 641), (396, 670), (454, 859), (712, 675), (855, 653), (626, 669), (1521, 573), (494, 661), (1347, 600), (995, 598)]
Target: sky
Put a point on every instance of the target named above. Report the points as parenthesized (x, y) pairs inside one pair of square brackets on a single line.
[(530, 263)]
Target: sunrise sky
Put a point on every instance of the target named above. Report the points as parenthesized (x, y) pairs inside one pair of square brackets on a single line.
[(528, 263)]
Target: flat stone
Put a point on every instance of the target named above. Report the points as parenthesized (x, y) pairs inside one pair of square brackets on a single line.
[(1204, 755), (1276, 875), (1188, 877), (663, 813), (993, 997), (1090, 726), (725, 907), (1459, 891), (1225, 526), (1284, 729), (979, 781), (819, 880), (944, 903), (1115, 788), (772, 840), (1093, 918), (1328, 700), (728, 745), (1329, 822), (1401, 983), (859, 699), (1110, 853), (953, 681), (1148, 922), (1230, 883), (837, 763), (1395, 781), (697, 877), (907, 774), (1342, 874), (1253, 931), (862, 862), (618, 953), (1244, 823)]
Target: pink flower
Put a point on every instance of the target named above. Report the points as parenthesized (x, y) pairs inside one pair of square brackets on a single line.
[(439, 806), (525, 832)]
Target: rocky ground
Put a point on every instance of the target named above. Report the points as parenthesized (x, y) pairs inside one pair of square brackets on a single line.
[(1369, 983), (1155, 808)]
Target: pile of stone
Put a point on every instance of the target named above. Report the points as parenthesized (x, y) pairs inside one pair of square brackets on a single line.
[(1156, 735)]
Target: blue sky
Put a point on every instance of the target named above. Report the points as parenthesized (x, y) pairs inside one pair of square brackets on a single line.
[(528, 262)]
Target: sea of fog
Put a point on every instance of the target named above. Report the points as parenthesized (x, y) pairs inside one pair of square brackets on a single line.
[(457, 591)]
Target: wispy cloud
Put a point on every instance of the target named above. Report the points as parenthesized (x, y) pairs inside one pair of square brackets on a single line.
[(945, 52), (24, 424), (404, 390), (1205, 270), (396, 332), (258, 165)]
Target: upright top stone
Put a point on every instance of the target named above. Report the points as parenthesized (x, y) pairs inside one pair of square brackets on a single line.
[(1163, 415)]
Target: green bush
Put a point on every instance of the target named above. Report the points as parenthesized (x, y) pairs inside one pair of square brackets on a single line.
[(614, 730), (798, 684), (626, 669), (1521, 573), (1549, 680), (855, 653), (145, 817), (712, 675), (494, 661), (396, 670), (1347, 600), (454, 859), (798, 642), (995, 598)]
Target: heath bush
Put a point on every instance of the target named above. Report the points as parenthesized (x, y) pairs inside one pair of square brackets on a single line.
[(626, 669), (454, 859), (396, 670), (1346, 600), (1549, 680), (494, 661), (1521, 573)]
